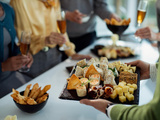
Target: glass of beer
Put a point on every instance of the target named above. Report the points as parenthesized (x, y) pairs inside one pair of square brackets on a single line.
[(141, 13), (61, 26), (24, 47)]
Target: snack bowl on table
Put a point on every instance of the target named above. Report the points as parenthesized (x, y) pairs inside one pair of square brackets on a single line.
[(31, 108), (117, 29)]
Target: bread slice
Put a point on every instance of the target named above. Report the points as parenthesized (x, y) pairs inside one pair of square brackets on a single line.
[(73, 82), (128, 77)]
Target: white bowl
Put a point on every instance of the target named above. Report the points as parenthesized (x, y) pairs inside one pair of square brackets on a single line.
[(85, 18)]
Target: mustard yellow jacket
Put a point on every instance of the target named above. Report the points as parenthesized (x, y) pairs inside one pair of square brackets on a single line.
[(33, 15)]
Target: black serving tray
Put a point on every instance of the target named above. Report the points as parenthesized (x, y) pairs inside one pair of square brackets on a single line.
[(72, 95), (95, 51)]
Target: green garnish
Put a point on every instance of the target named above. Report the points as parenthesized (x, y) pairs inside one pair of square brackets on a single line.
[(85, 66), (82, 84), (114, 71)]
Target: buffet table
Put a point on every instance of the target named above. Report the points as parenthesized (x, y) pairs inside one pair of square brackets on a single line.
[(57, 109)]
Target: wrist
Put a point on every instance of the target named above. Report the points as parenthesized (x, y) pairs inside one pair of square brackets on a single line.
[(108, 108)]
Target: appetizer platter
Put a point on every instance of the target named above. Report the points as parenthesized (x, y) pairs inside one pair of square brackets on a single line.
[(116, 81), (113, 51)]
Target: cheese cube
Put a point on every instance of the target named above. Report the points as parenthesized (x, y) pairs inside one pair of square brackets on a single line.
[(120, 85), (114, 87), (122, 98), (134, 86), (125, 89), (119, 91), (133, 69), (131, 90), (122, 82), (130, 97), (129, 85), (113, 95), (125, 94), (121, 94)]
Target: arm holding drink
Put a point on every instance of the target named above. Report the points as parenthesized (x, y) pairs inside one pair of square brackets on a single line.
[(16, 62), (147, 33), (57, 38)]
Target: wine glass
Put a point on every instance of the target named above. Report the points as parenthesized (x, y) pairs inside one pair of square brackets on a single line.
[(24, 47), (61, 26), (141, 13)]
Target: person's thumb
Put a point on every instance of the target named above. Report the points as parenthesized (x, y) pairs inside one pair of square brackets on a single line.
[(85, 101)]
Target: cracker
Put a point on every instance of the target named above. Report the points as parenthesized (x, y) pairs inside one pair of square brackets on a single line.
[(73, 82), (92, 70)]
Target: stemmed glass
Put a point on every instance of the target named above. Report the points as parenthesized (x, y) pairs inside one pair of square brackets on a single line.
[(141, 13), (61, 25), (24, 47)]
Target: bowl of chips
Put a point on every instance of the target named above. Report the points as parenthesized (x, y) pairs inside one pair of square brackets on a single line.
[(117, 27), (31, 101)]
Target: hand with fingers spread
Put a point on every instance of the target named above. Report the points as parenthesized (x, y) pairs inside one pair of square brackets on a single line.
[(144, 67), (147, 33), (55, 38), (14, 63), (75, 16), (98, 104)]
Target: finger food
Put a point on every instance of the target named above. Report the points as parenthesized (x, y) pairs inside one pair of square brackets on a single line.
[(31, 97), (117, 23)]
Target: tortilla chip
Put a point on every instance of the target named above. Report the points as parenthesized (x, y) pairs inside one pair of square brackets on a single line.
[(92, 70), (73, 82)]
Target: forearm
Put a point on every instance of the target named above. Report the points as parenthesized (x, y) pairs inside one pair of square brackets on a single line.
[(145, 112), (101, 9)]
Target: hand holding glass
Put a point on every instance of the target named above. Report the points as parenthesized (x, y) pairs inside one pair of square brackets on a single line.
[(24, 47), (141, 13), (61, 25)]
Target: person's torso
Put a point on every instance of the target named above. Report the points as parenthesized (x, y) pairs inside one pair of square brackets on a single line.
[(6, 42), (85, 7), (36, 16)]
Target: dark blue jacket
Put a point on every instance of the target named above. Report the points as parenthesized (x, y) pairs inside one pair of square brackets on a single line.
[(8, 23)]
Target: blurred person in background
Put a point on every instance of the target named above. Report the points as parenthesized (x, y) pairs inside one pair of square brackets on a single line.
[(10, 58), (80, 30), (39, 16), (148, 111), (147, 33)]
